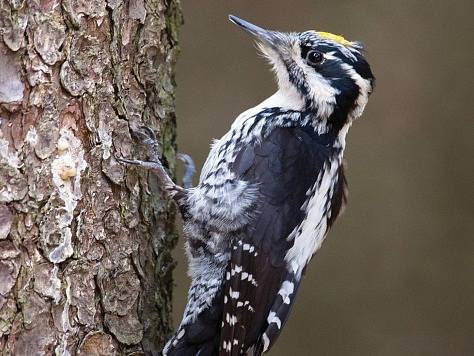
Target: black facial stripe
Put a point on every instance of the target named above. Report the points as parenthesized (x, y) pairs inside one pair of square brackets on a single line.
[(345, 100), (362, 68), (298, 78), (332, 69)]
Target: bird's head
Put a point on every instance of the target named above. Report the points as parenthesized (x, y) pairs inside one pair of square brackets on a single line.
[(327, 72)]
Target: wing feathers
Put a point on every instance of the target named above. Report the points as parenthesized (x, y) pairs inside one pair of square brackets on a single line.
[(284, 167)]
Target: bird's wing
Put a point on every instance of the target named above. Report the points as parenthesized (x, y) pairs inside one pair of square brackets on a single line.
[(284, 166)]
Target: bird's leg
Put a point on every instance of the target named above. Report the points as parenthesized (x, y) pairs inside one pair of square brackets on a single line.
[(149, 140)]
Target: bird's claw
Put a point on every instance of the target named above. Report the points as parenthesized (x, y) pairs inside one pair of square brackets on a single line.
[(145, 164), (126, 160)]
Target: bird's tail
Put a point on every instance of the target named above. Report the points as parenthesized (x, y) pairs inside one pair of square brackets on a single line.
[(193, 340), (198, 336), (185, 348)]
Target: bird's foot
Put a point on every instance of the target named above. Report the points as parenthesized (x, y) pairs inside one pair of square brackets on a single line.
[(167, 184), (189, 170), (148, 138)]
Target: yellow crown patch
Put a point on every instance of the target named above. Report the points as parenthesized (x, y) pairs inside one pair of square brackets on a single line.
[(335, 38)]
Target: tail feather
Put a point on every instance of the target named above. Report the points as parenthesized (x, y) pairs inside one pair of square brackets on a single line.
[(199, 336), (184, 348), (195, 339)]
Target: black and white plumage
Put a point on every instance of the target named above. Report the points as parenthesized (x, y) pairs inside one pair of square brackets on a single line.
[(269, 191)]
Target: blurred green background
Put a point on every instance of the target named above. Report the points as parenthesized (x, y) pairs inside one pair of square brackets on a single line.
[(396, 274)]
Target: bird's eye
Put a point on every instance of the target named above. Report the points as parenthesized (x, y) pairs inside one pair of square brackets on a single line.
[(314, 57)]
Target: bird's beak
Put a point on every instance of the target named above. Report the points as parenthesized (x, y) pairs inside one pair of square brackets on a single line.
[(267, 37)]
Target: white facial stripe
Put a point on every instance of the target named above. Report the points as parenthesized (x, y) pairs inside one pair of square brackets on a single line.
[(330, 56), (323, 94), (346, 51)]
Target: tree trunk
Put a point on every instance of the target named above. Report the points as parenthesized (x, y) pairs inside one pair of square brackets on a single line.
[(85, 264)]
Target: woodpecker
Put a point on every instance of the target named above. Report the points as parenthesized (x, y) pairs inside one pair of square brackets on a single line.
[(268, 193)]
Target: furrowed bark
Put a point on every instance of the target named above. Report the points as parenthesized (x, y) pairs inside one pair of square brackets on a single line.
[(85, 265)]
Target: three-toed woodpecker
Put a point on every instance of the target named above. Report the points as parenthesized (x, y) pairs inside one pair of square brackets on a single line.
[(269, 191)]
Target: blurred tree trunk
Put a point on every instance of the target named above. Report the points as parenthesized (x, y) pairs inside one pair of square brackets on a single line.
[(85, 264)]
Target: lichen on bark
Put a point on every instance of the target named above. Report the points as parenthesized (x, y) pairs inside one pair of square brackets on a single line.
[(85, 265)]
